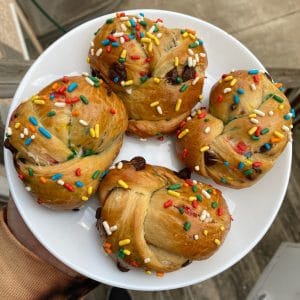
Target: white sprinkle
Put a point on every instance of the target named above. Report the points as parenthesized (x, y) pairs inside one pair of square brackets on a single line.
[(202, 54), (22, 135), (106, 227), (194, 182), (124, 18), (60, 104), (197, 42), (85, 74), (227, 90), (32, 137), (285, 128), (197, 57), (190, 61), (28, 188), (92, 51), (194, 62), (232, 71), (122, 40), (143, 139), (197, 168), (60, 182), (290, 137), (89, 81), (203, 215), (118, 34), (112, 167), (195, 80), (147, 260), (159, 110), (271, 113), (259, 112), (122, 83), (120, 165), (9, 131), (128, 91), (99, 52), (193, 113), (291, 126), (159, 35), (254, 121), (92, 44), (196, 237), (253, 86), (26, 131), (83, 123), (207, 130), (190, 51), (206, 194), (188, 118), (113, 228), (152, 29), (123, 27)]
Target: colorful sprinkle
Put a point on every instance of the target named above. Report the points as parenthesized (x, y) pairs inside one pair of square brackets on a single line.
[(253, 72), (175, 186), (69, 187), (96, 174), (183, 133), (72, 87), (278, 99), (90, 190), (123, 184), (187, 225), (178, 104), (84, 100), (173, 193), (45, 132), (56, 176), (33, 121), (168, 203), (240, 91), (183, 88), (217, 242), (204, 148), (124, 242)]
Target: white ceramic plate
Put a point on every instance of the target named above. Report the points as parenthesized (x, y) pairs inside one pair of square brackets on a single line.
[(72, 236)]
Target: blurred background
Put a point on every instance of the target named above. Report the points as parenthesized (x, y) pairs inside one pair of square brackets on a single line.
[(270, 29)]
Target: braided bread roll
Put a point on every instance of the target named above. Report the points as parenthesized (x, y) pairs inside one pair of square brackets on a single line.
[(157, 72), (153, 219), (64, 137), (246, 130)]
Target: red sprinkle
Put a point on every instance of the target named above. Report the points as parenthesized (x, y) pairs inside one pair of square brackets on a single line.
[(256, 78), (69, 187), (78, 172), (182, 124), (168, 203), (138, 35), (62, 89), (177, 132), (220, 211), (241, 147), (121, 14), (113, 111), (220, 98), (138, 26), (258, 130), (112, 38), (161, 138), (189, 182), (148, 59), (184, 153), (257, 164), (159, 20), (72, 100), (65, 79), (126, 37), (21, 176), (135, 57), (202, 115), (108, 48), (134, 263), (195, 203)]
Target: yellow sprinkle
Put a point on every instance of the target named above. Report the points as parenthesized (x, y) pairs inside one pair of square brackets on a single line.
[(150, 35), (252, 130), (217, 242), (17, 125), (128, 24), (156, 80), (247, 162), (205, 232), (200, 97), (145, 40), (39, 101), (148, 272), (192, 198), (204, 148), (88, 60), (228, 78), (97, 130), (156, 41), (173, 193), (84, 198), (222, 228), (124, 242), (176, 61), (192, 36), (128, 82), (252, 116), (185, 34), (155, 103), (233, 82), (278, 134), (122, 184), (178, 104), (150, 47), (123, 53), (90, 190), (126, 252), (183, 133), (92, 132), (281, 106)]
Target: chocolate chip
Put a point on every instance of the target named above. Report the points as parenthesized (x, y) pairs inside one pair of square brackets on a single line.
[(251, 176), (122, 268), (138, 162), (188, 262), (184, 173), (210, 158), (9, 146), (117, 72), (233, 106), (188, 73), (98, 212), (264, 149), (172, 75), (76, 209)]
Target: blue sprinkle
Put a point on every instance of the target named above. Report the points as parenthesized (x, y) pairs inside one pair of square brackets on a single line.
[(253, 72), (248, 154), (293, 112), (223, 180), (236, 99), (132, 36), (116, 79), (104, 173), (115, 44), (267, 146), (105, 42), (142, 14), (33, 121), (72, 87), (79, 184), (28, 141), (240, 91), (132, 22), (226, 163), (287, 117), (281, 89), (52, 96), (200, 42), (241, 165), (142, 34), (45, 132), (56, 176)]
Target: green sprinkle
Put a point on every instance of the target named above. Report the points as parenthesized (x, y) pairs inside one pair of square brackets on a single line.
[(199, 198), (194, 188), (175, 186), (109, 21), (84, 99), (278, 99), (254, 137), (264, 131), (269, 96), (30, 172), (88, 152), (182, 31), (193, 45), (209, 191), (122, 60), (178, 79), (71, 156), (121, 254), (248, 172), (155, 28), (143, 23), (206, 120), (96, 174), (144, 79), (96, 84), (187, 225), (223, 180), (183, 88), (181, 210), (94, 79), (214, 204), (51, 113)]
